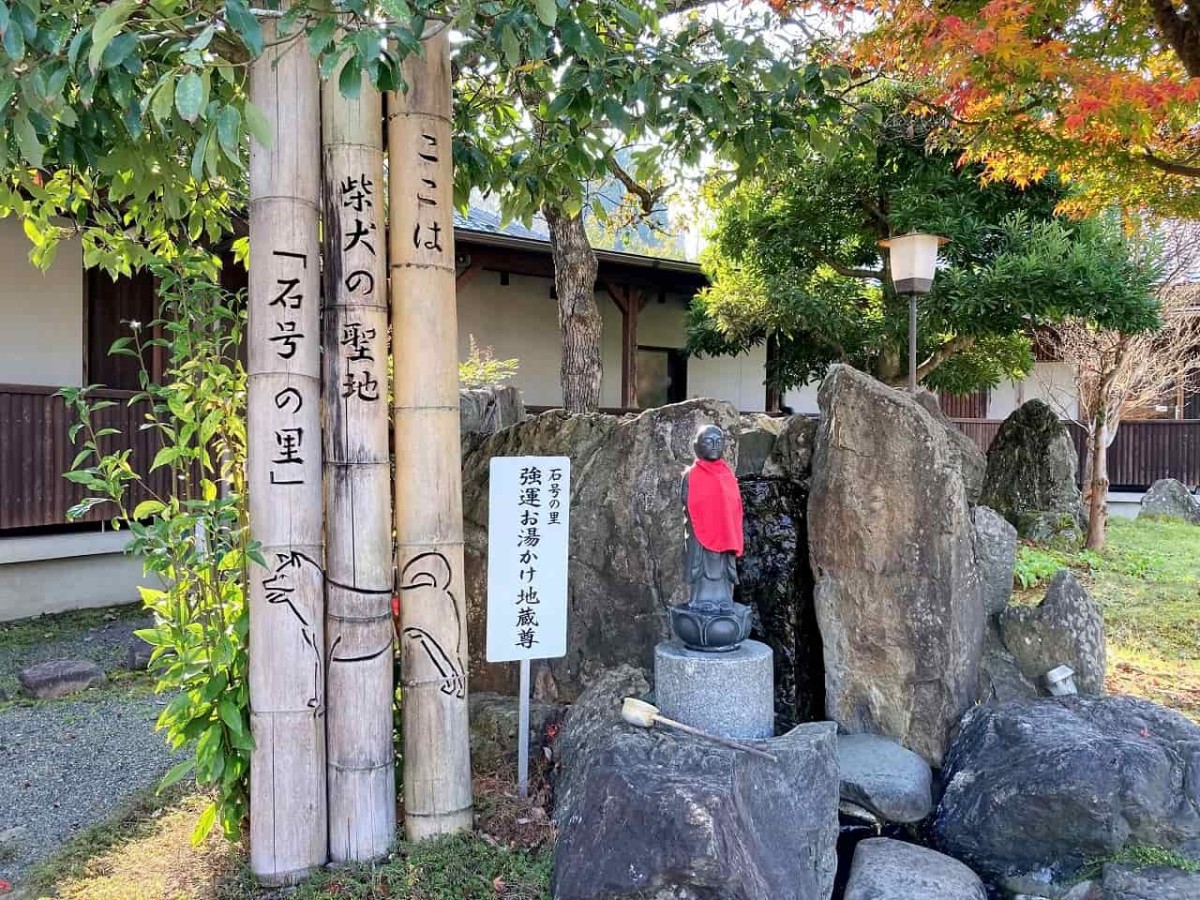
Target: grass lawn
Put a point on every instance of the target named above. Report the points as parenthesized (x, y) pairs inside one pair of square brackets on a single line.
[(1147, 582)]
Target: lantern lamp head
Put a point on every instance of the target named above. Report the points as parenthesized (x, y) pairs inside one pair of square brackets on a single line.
[(913, 261)]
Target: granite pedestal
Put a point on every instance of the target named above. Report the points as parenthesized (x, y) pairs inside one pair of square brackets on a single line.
[(731, 694)]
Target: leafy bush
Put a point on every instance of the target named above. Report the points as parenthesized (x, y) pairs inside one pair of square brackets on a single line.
[(194, 540), (481, 368), (1034, 565)]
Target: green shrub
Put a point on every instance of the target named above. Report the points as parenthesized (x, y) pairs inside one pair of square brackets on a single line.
[(481, 368), (1033, 566), (194, 541)]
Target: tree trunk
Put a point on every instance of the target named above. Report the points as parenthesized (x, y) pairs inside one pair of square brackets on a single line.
[(428, 480), (1098, 483), (289, 836), (358, 532), (578, 315)]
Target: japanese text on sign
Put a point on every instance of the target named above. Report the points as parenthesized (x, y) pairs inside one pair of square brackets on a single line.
[(529, 512)]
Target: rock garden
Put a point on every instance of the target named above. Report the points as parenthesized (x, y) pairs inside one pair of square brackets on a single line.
[(921, 751)]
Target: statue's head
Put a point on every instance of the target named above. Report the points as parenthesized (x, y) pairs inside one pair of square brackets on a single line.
[(710, 442)]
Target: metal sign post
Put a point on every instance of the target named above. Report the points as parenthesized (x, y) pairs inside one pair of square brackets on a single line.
[(528, 527)]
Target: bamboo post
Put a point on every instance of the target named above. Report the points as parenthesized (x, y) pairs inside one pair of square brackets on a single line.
[(288, 832), (428, 481), (358, 533)]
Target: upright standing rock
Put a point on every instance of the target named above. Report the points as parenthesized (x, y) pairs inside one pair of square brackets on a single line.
[(1066, 628), (996, 557), (891, 540), (358, 533), (1031, 476), (288, 833), (428, 477)]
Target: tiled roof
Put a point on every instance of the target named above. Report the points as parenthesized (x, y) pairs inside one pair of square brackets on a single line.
[(478, 219)]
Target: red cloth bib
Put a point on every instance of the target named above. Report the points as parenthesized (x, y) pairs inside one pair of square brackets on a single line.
[(715, 506)]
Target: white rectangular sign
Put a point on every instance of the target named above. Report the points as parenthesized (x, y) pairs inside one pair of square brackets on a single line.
[(528, 523)]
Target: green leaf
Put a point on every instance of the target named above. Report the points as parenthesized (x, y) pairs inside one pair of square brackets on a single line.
[(257, 124), (189, 98), (547, 11), (245, 24), (176, 774), (148, 508), (14, 43), (108, 26), (229, 131), (350, 79), (204, 824), (231, 716), (27, 138), (163, 102), (511, 46), (321, 35), (3, 16)]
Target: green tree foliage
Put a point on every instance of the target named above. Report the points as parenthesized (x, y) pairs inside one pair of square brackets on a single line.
[(795, 254)]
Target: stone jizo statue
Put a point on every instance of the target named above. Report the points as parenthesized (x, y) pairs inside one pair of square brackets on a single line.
[(712, 503)]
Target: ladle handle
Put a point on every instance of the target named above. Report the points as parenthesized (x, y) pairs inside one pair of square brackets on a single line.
[(726, 742)]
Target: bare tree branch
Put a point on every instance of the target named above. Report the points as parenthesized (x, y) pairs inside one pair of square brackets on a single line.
[(650, 197), (1170, 167)]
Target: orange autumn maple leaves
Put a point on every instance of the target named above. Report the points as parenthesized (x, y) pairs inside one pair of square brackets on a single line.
[(1091, 91)]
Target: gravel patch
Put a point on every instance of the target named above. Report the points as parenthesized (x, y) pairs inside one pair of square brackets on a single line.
[(66, 765), (102, 636)]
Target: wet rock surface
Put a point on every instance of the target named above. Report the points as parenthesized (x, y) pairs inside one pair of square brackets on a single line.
[(1042, 788), (776, 583)]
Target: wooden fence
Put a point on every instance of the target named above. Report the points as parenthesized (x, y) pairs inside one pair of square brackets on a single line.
[(35, 451), (1143, 451)]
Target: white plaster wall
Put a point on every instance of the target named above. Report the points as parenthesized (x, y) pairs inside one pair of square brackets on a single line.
[(1052, 382), (803, 400), (41, 313), (55, 573), (521, 320)]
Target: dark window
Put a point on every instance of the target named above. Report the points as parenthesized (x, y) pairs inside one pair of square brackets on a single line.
[(111, 306), (661, 376)]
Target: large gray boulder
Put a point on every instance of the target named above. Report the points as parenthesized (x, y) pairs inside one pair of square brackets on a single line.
[(892, 547), (1031, 476), (884, 869), (1066, 628), (626, 547), (995, 556), (655, 815), (484, 411), (1170, 499), (1036, 790), (1149, 883), (883, 778)]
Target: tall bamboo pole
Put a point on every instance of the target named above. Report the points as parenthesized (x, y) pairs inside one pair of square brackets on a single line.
[(288, 831), (358, 534), (428, 486)]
